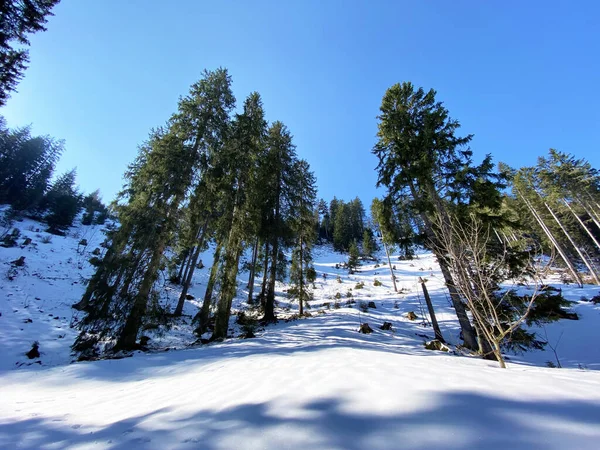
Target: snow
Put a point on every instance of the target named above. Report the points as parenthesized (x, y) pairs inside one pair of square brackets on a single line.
[(308, 383)]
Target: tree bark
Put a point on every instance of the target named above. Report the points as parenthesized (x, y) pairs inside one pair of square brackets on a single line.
[(252, 273), (263, 290), (581, 255), (190, 273), (203, 315), (434, 322), (553, 240), (587, 230), (387, 254)]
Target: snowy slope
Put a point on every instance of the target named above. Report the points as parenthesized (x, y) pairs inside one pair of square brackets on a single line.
[(341, 389)]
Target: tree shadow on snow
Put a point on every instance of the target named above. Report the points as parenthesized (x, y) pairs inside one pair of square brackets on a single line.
[(457, 420)]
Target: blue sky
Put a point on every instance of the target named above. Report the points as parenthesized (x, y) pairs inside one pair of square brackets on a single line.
[(522, 76)]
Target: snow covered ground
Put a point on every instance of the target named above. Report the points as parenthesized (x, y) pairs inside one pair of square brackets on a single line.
[(309, 383)]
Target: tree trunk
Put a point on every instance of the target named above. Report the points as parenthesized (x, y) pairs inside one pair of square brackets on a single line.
[(128, 336), (252, 273), (269, 315), (190, 273), (186, 256), (263, 289), (301, 309), (188, 263), (387, 253), (203, 315), (552, 239), (581, 255), (434, 322), (587, 230)]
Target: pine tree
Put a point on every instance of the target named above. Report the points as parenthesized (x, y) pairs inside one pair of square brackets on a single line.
[(279, 163), (118, 295), (421, 159), (353, 257), (368, 244), (63, 202), (26, 166), (243, 151), (303, 228)]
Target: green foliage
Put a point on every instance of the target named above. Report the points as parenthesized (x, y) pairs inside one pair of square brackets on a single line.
[(550, 306), (377, 282), (368, 243), (353, 258), (95, 211), (63, 202), (26, 166), (348, 222), (18, 19), (359, 285)]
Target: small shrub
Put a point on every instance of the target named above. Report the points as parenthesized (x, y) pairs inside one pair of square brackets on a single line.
[(95, 261), (339, 279), (337, 295), (359, 285), (349, 294), (376, 282), (363, 306), (337, 305), (46, 239)]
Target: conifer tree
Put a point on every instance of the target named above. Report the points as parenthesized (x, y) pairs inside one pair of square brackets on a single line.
[(279, 162), (353, 257), (422, 159), (368, 244), (119, 293), (303, 228), (63, 202), (241, 157), (26, 166)]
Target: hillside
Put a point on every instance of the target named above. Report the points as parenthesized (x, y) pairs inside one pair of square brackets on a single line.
[(309, 383)]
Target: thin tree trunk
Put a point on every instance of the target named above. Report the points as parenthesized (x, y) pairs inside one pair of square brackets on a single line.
[(190, 273), (301, 278), (387, 254), (263, 290), (186, 256), (434, 322), (203, 314), (554, 242), (252, 273), (581, 255), (188, 262), (587, 230), (269, 315)]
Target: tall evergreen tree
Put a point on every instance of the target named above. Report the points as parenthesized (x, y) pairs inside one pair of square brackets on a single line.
[(422, 159), (26, 166), (280, 162), (119, 293), (63, 202), (243, 151), (303, 228)]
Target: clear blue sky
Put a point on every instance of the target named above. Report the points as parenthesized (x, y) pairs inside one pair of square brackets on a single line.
[(523, 76)]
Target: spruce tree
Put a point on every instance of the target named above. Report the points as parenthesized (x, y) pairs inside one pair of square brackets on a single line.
[(279, 162), (303, 228), (353, 257), (241, 156), (118, 295), (422, 159)]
